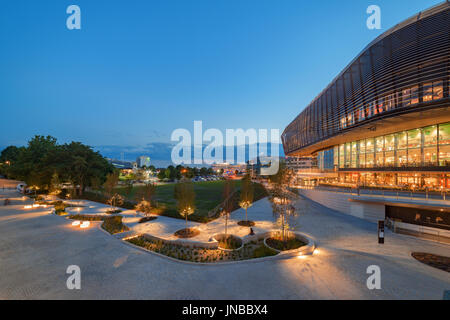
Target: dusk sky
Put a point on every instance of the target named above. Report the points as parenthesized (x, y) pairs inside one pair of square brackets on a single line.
[(137, 70)]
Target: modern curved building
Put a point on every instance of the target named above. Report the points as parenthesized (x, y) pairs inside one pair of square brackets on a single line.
[(385, 119)]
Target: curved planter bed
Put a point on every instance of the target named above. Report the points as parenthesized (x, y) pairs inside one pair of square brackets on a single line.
[(308, 248), (221, 237)]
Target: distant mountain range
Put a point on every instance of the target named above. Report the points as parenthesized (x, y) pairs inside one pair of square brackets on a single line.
[(160, 153)]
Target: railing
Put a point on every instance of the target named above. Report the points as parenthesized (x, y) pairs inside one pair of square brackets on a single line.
[(404, 194)]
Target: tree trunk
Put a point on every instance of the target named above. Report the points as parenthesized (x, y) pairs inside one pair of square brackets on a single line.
[(246, 219), (226, 223), (186, 224)]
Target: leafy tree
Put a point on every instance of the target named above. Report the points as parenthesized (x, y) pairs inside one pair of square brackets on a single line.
[(203, 171), (33, 164), (161, 174), (83, 164), (185, 196), (167, 173), (10, 154), (43, 157), (247, 194)]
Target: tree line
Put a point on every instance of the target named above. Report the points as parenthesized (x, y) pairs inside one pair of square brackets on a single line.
[(43, 162), (179, 172)]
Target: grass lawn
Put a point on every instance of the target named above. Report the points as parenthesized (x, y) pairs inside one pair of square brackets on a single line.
[(208, 195)]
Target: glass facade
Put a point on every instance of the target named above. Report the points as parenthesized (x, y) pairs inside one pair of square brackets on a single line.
[(421, 147), (388, 78)]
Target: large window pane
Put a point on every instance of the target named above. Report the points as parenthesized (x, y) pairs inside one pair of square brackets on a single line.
[(428, 91), (380, 159), (336, 157), (410, 96), (341, 156), (430, 136), (401, 158), (402, 140), (348, 154), (444, 155), (438, 90), (414, 157), (430, 156), (370, 145), (354, 163), (389, 159), (414, 138), (414, 95), (389, 142), (444, 134), (369, 160), (380, 144)]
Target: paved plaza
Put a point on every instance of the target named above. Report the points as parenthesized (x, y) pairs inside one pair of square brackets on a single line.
[(37, 247)]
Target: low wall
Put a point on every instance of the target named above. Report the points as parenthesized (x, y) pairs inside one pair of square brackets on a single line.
[(420, 229), (340, 202)]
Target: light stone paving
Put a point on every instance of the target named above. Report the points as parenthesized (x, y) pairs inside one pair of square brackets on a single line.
[(36, 248), (165, 227)]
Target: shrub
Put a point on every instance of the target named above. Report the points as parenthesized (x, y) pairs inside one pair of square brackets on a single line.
[(84, 217), (146, 219), (230, 242), (114, 225), (289, 244), (263, 251), (113, 211)]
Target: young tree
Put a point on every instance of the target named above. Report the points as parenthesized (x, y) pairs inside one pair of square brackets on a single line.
[(185, 195), (145, 196), (247, 193), (115, 201), (144, 206), (227, 203), (281, 197), (55, 185), (110, 184), (128, 188)]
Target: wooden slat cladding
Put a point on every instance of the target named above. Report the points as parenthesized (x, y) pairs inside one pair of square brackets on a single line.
[(379, 81)]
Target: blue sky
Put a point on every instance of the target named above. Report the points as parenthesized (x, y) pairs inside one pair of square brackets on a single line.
[(137, 70)]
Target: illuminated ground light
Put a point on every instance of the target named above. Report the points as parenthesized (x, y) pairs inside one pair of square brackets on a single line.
[(28, 207), (76, 223), (35, 206), (316, 251), (85, 224), (301, 256)]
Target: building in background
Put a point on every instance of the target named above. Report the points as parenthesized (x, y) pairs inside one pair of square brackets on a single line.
[(119, 164), (384, 121), (143, 161)]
